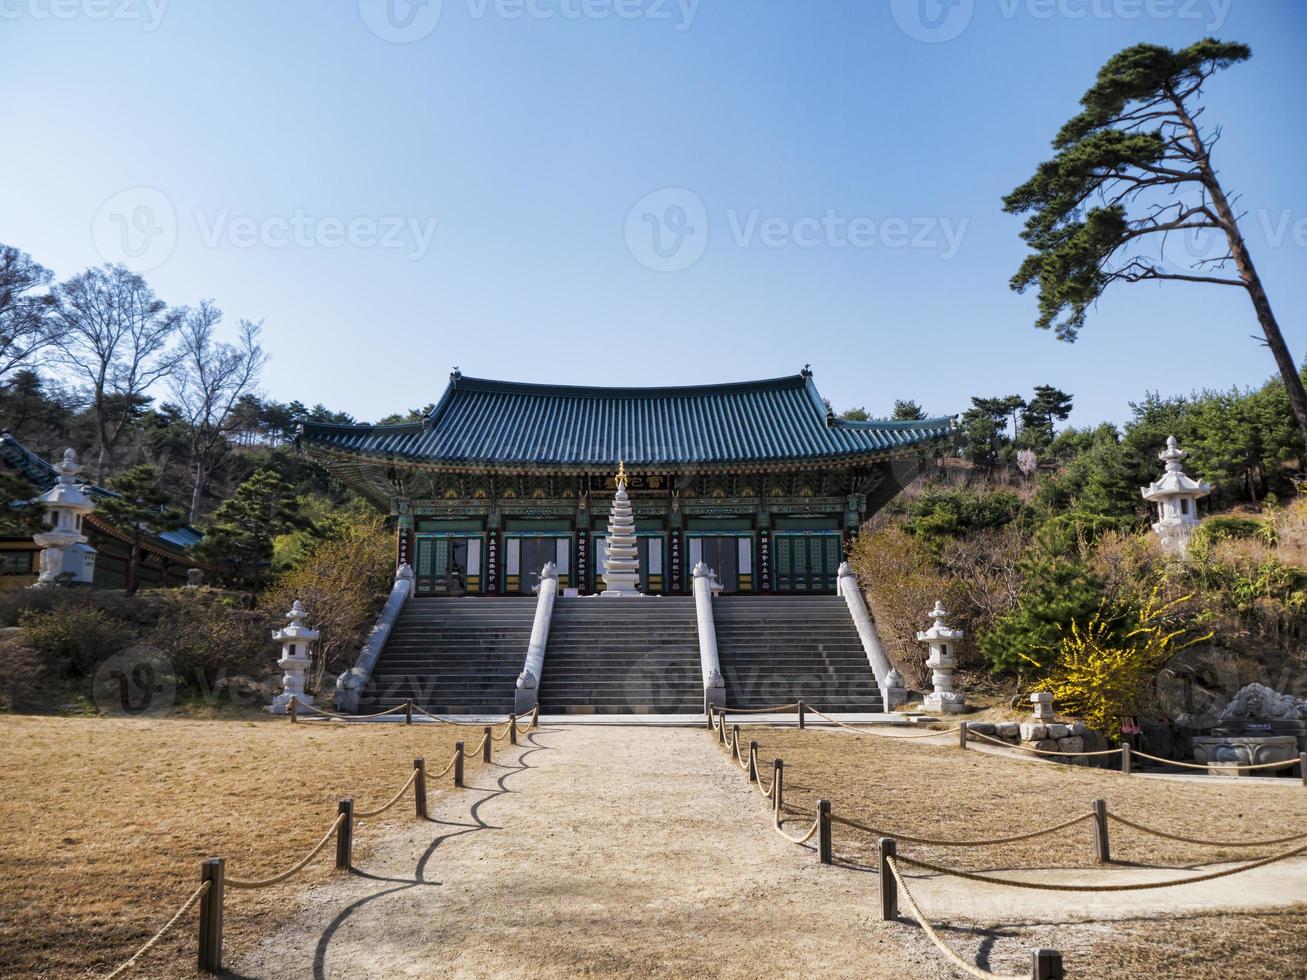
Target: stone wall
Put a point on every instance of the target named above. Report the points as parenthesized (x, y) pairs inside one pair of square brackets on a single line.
[(1054, 736)]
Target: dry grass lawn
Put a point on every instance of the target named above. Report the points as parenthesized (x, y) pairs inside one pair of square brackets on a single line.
[(939, 791), (106, 822)]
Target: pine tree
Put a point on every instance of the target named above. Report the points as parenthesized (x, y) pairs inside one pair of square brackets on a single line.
[(142, 509), (240, 537)]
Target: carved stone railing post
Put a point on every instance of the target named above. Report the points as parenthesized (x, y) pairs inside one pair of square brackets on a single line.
[(527, 694), (714, 685), (889, 680)]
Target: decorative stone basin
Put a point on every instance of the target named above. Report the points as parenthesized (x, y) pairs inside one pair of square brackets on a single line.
[(1243, 750)]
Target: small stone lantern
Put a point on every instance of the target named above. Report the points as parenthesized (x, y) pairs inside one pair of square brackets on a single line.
[(1042, 701), (941, 639), (295, 639), (1176, 496), (65, 557)]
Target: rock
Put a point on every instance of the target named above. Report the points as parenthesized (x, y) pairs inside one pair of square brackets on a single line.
[(1072, 743), (1031, 732), (1008, 730), (981, 727), (1045, 745), (1080, 728), (1058, 731)]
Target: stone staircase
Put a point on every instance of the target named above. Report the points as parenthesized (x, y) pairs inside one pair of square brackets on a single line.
[(453, 656), (622, 656), (778, 649)]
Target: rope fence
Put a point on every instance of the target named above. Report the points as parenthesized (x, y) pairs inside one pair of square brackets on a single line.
[(214, 880), (1045, 964)]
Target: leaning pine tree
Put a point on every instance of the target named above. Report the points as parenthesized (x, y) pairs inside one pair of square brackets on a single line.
[(142, 509), (1132, 168)]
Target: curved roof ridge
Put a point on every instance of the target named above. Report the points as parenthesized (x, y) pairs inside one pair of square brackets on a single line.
[(634, 391)]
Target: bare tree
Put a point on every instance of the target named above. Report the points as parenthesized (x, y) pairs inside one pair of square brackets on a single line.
[(210, 380), (113, 334), (24, 323)]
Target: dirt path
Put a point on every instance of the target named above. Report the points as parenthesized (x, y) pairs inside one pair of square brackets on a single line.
[(639, 852), (615, 851)]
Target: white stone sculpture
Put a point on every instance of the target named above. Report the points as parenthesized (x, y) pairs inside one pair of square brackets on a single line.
[(714, 685), (1261, 703), (295, 639), (621, 559), (1176, 496), (65, 555), (941, 661)]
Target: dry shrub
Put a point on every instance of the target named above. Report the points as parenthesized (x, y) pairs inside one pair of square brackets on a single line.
[(75, 637), (211, 642), (343, 584), (22, 673), (901, 583)]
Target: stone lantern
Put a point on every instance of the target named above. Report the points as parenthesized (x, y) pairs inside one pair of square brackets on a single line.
[(942, 660), (1176, 496), (65, 557), (295, 639)]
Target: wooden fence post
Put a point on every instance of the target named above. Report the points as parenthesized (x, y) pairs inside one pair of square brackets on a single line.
[(823, 832), (420, 787), (1302, 767), (711, 709), (1046, 964), (210, 939), (294, 709), (512, 729), (458, 764), (735, 741), (485, 744), (1127, 766), (721, 728), (535, 715), (962, 735), (1102, 849), (777, 786), (408, 712), (801, 723), (887, 848), (753, 762), (345, 835)]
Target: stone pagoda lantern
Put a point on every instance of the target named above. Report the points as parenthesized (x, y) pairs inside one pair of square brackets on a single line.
[(295, 639), (66, 558), (621, 558), (942, 660), (1176, 496)]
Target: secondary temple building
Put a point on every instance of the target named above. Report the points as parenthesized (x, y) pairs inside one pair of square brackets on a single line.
[(758, 479)]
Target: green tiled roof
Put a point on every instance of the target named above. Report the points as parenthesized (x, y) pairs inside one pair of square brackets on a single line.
[(508, 424)]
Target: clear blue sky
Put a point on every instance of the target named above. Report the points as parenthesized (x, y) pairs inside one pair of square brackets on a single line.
[(528, 130)]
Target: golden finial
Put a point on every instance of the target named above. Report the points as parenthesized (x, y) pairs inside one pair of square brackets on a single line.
[(621, 473)]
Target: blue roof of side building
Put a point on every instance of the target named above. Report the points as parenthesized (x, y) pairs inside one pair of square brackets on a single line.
[(486, 423), (42, 475)]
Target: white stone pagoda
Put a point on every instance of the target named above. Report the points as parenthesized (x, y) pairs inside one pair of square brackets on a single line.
[(1176, 495), (66, 558), (942, 660), (295, 639), (621, 559)]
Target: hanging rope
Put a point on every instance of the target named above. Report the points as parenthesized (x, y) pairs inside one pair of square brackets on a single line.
[(186, 907), (799, 840), (1026, 748), (1198, 840), (933, 842), (968, 968), (393, 800), (867, 731), (275, 879), (1138, 886), (1234, 766)]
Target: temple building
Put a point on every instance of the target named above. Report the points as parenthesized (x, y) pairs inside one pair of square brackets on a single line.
[(757, 479)]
